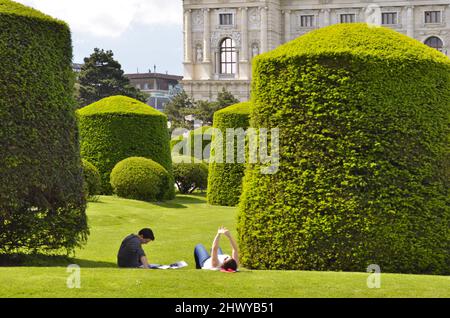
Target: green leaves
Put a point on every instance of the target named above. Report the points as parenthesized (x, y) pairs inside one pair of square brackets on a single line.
[(119, 127), (364, 155), (190, 175), (225, 179), (42, 204), (141, 179), (102, 76)]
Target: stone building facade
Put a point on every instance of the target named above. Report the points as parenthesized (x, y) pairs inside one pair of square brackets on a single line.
[(221, 37)]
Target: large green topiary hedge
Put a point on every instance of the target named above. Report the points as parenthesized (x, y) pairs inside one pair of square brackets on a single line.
[(141, 179), (42, 205), (225, 179), (119, 127), (364, 144)]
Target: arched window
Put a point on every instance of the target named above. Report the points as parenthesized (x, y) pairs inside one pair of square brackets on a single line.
[(435, 43), (228, 57)]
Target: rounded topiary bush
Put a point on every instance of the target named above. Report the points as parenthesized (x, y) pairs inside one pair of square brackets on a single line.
[(92, 179), (119, 127), (140, 179), (42, 204), (190, 174), (225, 179), (364, 155)]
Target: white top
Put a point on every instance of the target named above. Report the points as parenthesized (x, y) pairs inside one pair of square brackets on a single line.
[(208, 262)]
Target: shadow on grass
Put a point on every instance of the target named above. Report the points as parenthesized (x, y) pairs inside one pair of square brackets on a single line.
[(171, 205), (181, 199), (39, 260)]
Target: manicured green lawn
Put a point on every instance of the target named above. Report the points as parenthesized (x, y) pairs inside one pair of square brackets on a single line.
[(178, 226)]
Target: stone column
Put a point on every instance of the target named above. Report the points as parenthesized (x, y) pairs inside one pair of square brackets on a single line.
[(188, 61), (410, 21), (264, 29), (187, 36), (287, 26), (244, 67), (206, 69), (206, 36), (244, 35)]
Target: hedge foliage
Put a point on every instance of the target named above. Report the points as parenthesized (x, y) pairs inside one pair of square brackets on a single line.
[(174, 142), (364, 146), (225, 179), (141, 179), (92, 179), (42, 206), (200, 136), (119, 127), (189, 174)]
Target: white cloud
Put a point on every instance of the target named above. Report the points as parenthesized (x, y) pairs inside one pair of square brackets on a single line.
[(110, 18)]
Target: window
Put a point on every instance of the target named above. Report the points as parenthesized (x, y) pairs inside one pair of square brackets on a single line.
[(138, 86), (348, 18), (228, 57), (146, 86), (306, 21), (226, 19), (389, 18), (435, 43), (432, 16)]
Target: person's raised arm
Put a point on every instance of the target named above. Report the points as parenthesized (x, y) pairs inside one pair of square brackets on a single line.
[(215, 249), (234, 246)]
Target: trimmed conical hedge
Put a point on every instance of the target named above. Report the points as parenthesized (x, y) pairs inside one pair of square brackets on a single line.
[(119, 127), (225, 179), (363, 179), (42, 205)]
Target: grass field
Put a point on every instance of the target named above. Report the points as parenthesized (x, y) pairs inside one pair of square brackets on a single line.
[(178, 226)]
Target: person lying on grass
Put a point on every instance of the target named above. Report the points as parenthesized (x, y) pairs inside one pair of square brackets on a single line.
[(131, 254), (217, 260)]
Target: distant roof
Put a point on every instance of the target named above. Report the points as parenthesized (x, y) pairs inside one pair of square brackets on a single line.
[(154, 75)]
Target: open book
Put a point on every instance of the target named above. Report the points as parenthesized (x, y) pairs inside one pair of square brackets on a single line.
[(176, 265)]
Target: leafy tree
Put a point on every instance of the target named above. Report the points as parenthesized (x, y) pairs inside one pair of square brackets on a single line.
[(102, 76), (205, 110), (180, 106), (225, 99), (190, 175)]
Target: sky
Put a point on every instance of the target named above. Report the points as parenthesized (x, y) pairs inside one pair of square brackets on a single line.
[(141, 33)]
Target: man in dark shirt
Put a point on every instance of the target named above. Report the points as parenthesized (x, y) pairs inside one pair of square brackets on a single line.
[(131, 254)]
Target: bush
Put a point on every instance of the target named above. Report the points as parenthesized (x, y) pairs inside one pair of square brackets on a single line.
[(174, 142), (200, 136), (189, 174), (363, 114), (119, 127), (225, 179), (140, 179), (42, 205), (92, 180)]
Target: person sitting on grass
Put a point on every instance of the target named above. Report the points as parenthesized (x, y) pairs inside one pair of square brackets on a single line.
[(131, 254), (217, 260)]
